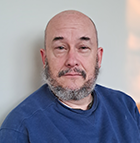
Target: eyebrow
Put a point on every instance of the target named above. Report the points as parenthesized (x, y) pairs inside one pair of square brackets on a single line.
[(58, 38), (61, 38), (85, 38)]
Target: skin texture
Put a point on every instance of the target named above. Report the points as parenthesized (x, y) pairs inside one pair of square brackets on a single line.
[(71, 43)]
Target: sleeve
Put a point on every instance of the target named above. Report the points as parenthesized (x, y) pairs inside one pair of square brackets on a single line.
[(12, 136)]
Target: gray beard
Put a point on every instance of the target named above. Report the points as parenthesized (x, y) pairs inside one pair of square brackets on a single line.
[(66, 93)]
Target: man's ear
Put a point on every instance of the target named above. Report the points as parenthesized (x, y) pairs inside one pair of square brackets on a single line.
[(43, 55), (100, 55)]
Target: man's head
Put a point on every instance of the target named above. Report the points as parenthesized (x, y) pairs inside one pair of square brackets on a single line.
[(71, 56)]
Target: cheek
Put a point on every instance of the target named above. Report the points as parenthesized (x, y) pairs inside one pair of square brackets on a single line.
[(55, 66), (90, 72), (90, 67)]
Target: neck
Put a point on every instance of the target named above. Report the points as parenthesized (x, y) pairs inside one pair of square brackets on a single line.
[(79, 104)]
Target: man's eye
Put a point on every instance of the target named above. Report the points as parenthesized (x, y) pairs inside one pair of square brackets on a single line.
[(84, 48), (60, 47)]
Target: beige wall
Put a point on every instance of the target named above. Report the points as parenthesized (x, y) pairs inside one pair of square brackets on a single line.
[(133, 48), (22, 25)]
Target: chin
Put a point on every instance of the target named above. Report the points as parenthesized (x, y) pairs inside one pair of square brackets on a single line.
[(72, 87), (71, 84)]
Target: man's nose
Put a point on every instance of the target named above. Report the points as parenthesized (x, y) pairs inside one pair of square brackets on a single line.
[(72, 59)]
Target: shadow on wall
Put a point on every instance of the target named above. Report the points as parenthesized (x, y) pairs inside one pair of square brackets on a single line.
[(38, 75), (28, 68)]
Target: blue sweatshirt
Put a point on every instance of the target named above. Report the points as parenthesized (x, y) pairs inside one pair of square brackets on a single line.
[(42, 118)]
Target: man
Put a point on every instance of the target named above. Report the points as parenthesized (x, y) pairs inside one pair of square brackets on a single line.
[(70, 108)]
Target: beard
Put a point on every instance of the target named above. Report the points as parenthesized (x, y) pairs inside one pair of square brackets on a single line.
[(67, 93)]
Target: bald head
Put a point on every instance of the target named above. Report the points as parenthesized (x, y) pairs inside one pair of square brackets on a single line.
[(69, 17)]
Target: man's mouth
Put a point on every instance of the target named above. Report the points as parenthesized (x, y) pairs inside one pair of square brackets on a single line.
[(72, 73)]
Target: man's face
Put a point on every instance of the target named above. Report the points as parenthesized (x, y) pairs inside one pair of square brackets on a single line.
[(71, 51)]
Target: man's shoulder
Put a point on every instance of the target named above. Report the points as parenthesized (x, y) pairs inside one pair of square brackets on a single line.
[(110, 92), (115, 98), (37, 101)]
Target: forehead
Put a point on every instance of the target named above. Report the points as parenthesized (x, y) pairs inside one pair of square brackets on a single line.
[(73, 25)]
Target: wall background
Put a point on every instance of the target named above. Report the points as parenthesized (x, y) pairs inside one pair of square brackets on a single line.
[(22, 25)]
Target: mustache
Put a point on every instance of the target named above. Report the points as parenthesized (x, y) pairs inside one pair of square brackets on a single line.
[(63, 72)]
